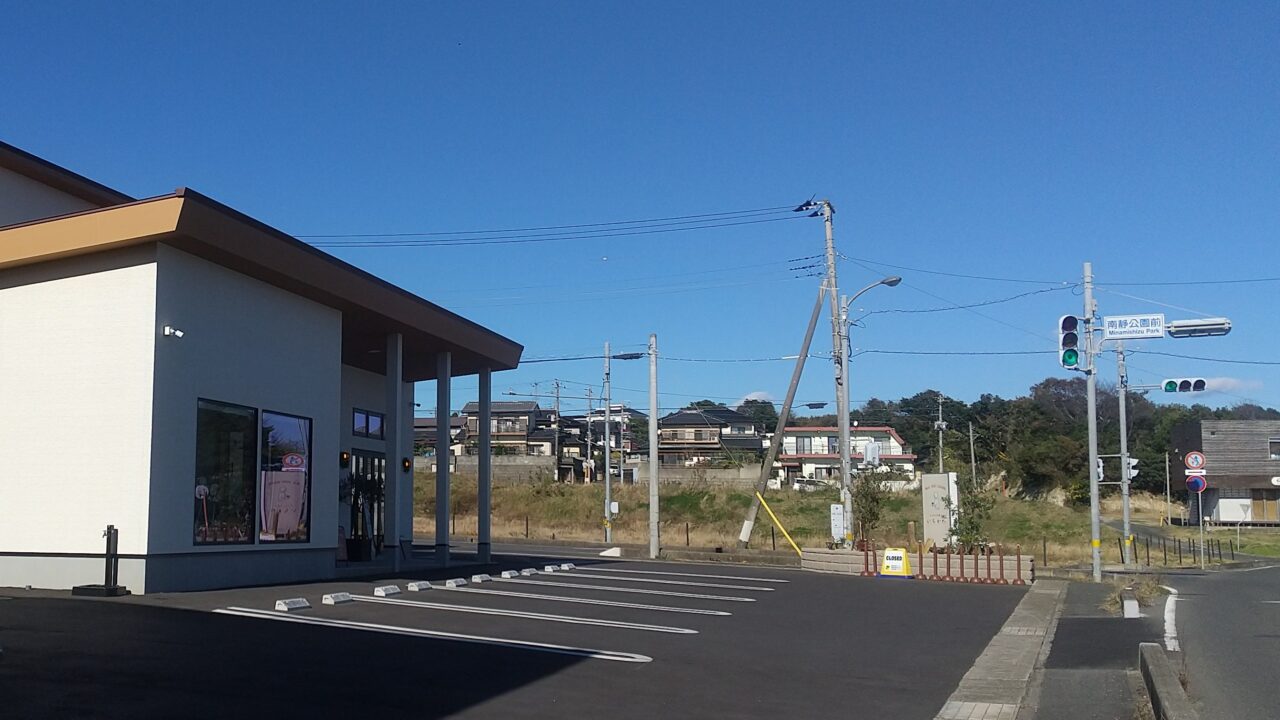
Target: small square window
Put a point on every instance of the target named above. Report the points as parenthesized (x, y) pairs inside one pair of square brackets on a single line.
[(360, 423), (375, 426), (1274, 447)]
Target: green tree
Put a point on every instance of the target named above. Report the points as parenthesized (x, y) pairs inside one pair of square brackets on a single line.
[(762, 412), (869, 496)]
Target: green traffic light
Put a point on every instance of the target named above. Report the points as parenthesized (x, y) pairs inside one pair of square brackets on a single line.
[(1070, 358), (1171, 386)]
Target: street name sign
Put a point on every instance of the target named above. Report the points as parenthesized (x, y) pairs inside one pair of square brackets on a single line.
[(1127, 327), (1189, 472)]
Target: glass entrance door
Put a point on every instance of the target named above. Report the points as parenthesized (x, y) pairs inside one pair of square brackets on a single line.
[(373, 465)]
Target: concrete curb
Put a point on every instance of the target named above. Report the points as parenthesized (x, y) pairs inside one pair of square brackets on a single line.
[(1168, 700), (997, 685)]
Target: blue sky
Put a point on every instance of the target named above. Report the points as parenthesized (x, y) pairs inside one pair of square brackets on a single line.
[(1004, 140)]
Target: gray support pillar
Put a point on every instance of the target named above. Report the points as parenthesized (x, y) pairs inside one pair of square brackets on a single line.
[(484, 464), (444, 372), (394, 496)]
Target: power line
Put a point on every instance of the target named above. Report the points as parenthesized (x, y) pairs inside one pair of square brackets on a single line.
[(955, 352), (972, 305), (1193, 282), (957, 275), (1156, 302), (554, 227), (1206, 359), (541, 238)]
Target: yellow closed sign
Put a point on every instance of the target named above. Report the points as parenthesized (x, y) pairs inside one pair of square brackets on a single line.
[(896, 563)]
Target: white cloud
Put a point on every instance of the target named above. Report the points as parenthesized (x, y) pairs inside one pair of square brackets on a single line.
[(1231, 385), (755, 395)]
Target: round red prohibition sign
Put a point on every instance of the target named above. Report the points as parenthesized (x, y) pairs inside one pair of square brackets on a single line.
[(1194, 460)]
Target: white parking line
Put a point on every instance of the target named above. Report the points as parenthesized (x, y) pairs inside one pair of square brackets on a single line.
[(687, 583), (591, 601), (613, 655), (642, 591), (1170, 621), (682, 574), (525, 615)]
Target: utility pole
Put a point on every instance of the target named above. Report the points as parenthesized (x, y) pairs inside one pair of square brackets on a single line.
[(941, 426), (608, 453), (766, 469), (842, 409), (841, 371), (654, 544), (1168, 497), (589, 467), (555, 429), (1091, 385), (973, 459), (1123, 377)]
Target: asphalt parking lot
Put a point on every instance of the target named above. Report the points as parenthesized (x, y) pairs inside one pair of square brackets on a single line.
[(612, 639)]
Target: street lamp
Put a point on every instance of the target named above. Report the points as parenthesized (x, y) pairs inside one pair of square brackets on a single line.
[(608, 440), (842, 403)]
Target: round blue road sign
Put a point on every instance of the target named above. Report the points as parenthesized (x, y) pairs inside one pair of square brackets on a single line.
[(1197, 483)]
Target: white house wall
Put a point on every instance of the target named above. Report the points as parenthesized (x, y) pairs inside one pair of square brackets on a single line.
[(23, 199), (76, 345), (248, 343)]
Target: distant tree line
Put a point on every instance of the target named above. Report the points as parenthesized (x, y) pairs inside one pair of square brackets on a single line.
[(1039, 441)]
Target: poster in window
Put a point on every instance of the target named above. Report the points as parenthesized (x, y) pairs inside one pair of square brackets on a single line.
[(225, 469), (286, 478)]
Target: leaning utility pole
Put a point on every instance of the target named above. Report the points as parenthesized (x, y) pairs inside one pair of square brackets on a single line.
[(1123, 382), (654, 545), (1091, 386), (842, 408), (608, 455), (766, 468)]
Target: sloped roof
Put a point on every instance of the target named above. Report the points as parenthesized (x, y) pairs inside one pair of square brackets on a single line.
[(503, 406), (59, 178), (371, 307), (706, 417)]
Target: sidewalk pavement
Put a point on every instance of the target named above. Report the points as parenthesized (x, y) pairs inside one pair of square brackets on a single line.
[(995, 687)]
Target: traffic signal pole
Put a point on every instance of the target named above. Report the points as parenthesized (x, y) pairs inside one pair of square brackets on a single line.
[(1091, 385), (1125, 470)]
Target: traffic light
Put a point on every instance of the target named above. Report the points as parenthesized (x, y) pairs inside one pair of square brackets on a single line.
[(1184, 385), (1069, 342), (1133, 468)]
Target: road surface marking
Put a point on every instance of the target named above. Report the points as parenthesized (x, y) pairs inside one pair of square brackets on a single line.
[(437, 634), (1170, 621), (687, 583), (681, 574), (592, 601), (524, 615), (642, 591)]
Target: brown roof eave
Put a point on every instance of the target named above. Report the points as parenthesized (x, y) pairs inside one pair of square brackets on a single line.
[(240, 241)]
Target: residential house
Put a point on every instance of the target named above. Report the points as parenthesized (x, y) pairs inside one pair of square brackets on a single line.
[(1242, 468), (425, 432), (510, 422), (814, 452), (708, 436)]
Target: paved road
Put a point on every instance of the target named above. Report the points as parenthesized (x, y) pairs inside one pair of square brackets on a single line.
[(784, 652), (1228, 624)]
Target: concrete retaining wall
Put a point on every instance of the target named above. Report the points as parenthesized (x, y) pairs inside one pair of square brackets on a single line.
[(964, 568)]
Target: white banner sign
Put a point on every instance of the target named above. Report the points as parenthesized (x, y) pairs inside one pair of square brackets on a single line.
[(1123, 327)]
